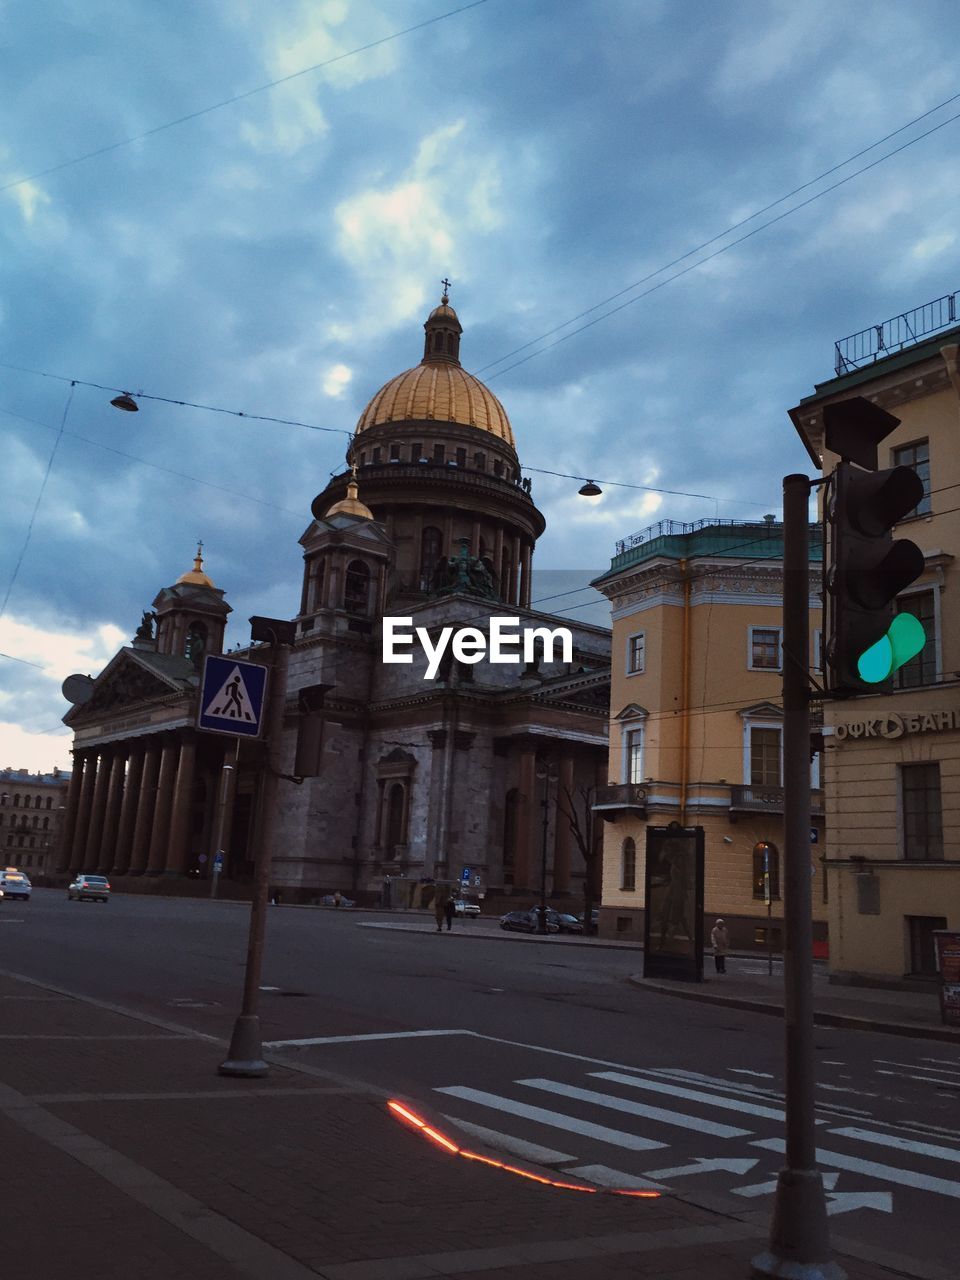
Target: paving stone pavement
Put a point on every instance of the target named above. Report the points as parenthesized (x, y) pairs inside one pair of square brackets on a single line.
[(127, 1155)]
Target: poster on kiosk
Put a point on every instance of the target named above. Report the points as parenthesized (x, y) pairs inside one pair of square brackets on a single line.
[(673, 919)]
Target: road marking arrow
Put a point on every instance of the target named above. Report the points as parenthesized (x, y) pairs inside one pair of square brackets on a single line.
[(768, 1188), (701, 1165), (845, 1201)]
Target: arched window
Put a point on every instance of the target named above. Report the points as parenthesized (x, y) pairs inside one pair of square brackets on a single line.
[(49, 802), (628, 865), (438, 342), (37, 801), (511, 826), (431, 551), (196, 646), (16, 800), (766, 861), (451, 344), (46, 824), (356, 588), (396, 808)]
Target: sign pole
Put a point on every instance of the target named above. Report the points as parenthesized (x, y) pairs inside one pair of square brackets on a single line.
[(245, 1056), (799, 1238), (227, 787)]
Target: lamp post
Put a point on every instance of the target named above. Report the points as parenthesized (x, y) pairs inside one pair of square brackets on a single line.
[(547, 773)]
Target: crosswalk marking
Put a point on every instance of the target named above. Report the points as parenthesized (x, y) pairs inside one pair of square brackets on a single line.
[(899, 1144), (882, 1172), (603, 1176), (677, 1118), (691, 1095), (631, 1141), (507, 1142), (767, 1188)]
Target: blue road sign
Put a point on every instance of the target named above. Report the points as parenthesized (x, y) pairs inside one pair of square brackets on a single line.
[(814, 837), (232, 697), (465, 876), (218, 862)]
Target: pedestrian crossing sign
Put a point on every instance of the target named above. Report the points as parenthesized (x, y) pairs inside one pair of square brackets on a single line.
[(232, 697)]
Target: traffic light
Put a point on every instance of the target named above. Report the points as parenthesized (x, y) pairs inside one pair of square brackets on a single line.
[(867, 641)]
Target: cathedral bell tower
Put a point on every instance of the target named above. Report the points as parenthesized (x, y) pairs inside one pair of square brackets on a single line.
[(191, 615)]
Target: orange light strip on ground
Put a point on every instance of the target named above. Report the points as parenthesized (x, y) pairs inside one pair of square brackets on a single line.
[(438, 1138)]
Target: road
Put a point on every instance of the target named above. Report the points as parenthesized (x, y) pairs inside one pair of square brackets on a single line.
[(541, 1048)]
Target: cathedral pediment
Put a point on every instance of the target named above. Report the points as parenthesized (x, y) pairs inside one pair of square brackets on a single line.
[(131, 679)]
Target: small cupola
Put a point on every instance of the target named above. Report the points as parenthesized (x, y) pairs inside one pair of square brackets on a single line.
[(443, 329)]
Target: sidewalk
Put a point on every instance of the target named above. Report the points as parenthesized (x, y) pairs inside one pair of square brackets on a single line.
[(127, 1155), (905, 1013)]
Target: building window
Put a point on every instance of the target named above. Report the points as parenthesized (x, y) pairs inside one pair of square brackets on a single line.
[(16, 800), (439, 452), (916, 456), (628, 866), (764, 648), (461, 457), (431, 550), (923, 668), (922, 816), (196, 645), (376, 454), (49, 802), (396, 812), (765, 757), (416, 451), (394, 453), (497, 467), (480, 461), (633, 755), (356, 588), (923, 953), (363, 459), (511, 829), (635, 653), (766, 861)]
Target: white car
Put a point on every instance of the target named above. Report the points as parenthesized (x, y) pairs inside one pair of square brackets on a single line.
[(462, 908), (14, 884)]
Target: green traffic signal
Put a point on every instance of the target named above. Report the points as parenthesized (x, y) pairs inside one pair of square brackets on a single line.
[(904, 639)]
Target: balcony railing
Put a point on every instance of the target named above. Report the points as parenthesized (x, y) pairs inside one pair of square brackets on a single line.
[(767, 800), (624, 795)]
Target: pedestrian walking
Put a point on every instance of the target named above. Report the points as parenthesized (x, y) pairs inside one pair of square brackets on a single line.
[(337, 898), (720, 941), (438, 910), (448, 911)]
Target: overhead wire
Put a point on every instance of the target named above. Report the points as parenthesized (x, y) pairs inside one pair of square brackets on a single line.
[(757, 213), (237, 97)]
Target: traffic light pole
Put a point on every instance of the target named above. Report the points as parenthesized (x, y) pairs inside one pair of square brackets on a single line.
[(799, 1240)]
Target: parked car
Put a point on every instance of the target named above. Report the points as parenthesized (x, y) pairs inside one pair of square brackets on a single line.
[(14, 884), (329, 900), (463, 908), (568, 923), (95, 888), (527, 922)]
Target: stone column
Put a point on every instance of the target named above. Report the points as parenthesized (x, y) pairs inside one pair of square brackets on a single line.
[(515, 571), (111, 816), (181, 824), (563, 835), (91, 856), (83, 812), (70, 817), (162, 810), (528, 820), (145, 807), (475, 539), (128, 811), (527, 557), (498, 559)]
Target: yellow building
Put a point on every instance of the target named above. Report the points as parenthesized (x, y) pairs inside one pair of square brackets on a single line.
[(696, 718), (892, 760)]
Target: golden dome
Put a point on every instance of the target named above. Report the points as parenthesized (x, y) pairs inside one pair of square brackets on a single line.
[(438, 389), (195, 577), (351, 504), (439, 392)]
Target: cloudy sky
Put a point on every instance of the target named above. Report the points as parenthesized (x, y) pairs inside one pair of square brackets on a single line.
[(277, 255)]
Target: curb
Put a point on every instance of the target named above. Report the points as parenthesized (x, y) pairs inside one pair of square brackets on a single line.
[(821, 1018)]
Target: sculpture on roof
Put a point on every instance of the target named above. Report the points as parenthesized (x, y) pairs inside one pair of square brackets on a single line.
[(145, 629)]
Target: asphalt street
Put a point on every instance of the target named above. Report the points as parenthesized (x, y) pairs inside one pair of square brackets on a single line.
[(543, 1049)]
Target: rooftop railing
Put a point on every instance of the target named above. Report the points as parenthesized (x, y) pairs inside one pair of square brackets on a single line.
[(870, 345)]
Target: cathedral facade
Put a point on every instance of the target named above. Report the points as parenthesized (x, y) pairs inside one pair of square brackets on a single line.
[(413, 777)]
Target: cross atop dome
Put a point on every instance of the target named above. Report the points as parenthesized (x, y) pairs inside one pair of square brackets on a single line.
[(446, 291)]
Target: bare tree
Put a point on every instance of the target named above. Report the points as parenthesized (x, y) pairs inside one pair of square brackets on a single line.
[(575, 804)]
